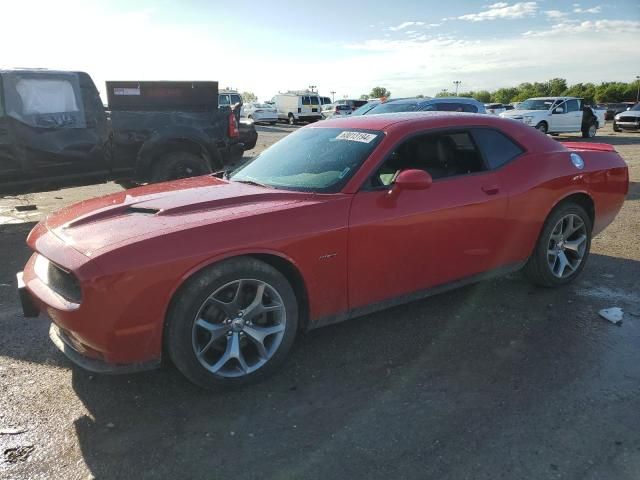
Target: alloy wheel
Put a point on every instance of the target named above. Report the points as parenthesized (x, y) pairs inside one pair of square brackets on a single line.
[(239, 328), (567, 245)]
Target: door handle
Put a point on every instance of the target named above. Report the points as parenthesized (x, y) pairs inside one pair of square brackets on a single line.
[(491, 189)]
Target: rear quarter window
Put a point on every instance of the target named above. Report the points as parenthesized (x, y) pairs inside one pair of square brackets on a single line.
[(496, 147)]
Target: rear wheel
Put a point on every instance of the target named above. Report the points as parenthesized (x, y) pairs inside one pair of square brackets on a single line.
[(292, 119), (176, 165), (563, 247), (232, 323), (542, 127), (590, 131)]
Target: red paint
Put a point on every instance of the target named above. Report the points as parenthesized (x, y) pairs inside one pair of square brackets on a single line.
[(351, 248)]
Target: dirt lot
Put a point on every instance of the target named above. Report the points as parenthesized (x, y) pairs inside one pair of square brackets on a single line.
[(497, 380)]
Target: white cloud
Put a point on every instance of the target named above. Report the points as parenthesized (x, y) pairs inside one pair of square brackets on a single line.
[(554, 14), (404, 25), (502, 10), (596, 26), (494, 62), (577, 9)]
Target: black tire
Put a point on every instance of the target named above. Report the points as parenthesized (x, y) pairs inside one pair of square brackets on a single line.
[(542, 127), (615, 128), (186, 306), (176, 165), (590, 130), (292, 119), (537, 269)]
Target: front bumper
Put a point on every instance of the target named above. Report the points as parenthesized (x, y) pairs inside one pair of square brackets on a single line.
[(627, 125), (66, 345), (73, 348)]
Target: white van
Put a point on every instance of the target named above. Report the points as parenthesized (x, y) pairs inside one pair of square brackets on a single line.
[(298, 107)]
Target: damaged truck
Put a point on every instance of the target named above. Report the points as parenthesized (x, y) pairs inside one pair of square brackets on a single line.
[(55, 131)]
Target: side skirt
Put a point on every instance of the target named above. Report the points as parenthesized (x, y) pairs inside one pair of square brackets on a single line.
[(411, 297)]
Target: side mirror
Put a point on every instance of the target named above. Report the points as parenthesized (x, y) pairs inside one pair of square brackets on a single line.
[(558, 110), (412, 180), (628, 108)]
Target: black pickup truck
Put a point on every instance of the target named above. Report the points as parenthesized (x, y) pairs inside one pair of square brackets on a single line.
[(55, 131)]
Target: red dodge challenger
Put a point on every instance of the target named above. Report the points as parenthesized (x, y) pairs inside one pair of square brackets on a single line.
[(339, 219)]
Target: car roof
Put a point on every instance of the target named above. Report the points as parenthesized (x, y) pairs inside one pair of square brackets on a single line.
[(427, 100), (426, 119)]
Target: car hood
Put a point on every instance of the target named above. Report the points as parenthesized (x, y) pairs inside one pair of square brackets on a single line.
[(97, 225), (629, 113), (521, 113)]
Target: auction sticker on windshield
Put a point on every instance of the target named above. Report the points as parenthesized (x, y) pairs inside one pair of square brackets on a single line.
[(357, 137)]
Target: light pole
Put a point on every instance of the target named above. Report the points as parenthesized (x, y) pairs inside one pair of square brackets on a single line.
[(333, 96), (457, 84), (638, 92), (312, 87)]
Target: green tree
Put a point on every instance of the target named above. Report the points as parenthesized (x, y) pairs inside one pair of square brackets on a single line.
[(379, 92), (248, 97), (443, 93), (364, 96)]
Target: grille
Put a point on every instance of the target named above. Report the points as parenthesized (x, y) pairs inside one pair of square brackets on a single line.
[(629, 119)]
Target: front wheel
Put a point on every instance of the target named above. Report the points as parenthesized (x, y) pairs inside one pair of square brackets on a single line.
[(562, 248), (616, 128), (542, 127), (232, 324)]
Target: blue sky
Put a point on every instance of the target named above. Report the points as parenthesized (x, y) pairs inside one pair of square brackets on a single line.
[(408, 46)]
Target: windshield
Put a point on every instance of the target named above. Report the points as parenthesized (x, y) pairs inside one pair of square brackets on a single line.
[(636, 107), (364, 108), (392, 107), (311, 159), (536, 104)]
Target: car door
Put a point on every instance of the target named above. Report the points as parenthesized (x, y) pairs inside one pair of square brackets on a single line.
[(574, 115), (419, 239), (9, 164), (560, 120), (55, 129)]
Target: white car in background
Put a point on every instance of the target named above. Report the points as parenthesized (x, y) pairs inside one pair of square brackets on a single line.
[(260, 113), (334, 110), (558, 115)]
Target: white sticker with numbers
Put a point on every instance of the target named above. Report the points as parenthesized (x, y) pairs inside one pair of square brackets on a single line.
[(357, 137)]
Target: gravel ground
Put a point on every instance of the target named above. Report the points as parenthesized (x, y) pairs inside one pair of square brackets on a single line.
[(496, 380)]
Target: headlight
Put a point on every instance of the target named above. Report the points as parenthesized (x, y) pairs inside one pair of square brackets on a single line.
[(527, 119), (61, 281)]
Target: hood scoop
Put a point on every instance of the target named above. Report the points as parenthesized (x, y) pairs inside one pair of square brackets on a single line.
[(142, 210)]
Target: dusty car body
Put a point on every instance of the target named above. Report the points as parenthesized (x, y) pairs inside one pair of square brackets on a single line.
[(54, 130), (110, 272)]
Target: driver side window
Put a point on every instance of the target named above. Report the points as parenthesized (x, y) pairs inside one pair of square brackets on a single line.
[(441, 155)]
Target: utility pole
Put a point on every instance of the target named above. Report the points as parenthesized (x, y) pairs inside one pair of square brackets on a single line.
[(457, 83), (333, 96), (638, 92)]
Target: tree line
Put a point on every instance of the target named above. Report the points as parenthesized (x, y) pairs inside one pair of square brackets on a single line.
[(605, 92)]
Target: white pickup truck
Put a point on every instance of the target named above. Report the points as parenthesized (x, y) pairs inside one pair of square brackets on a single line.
[(558, 115)]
